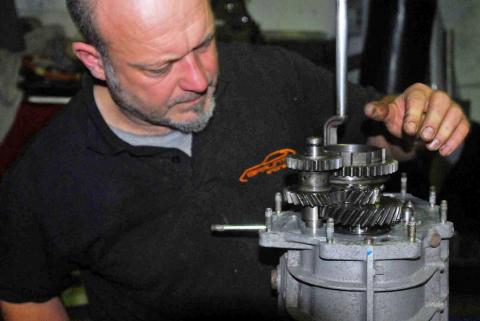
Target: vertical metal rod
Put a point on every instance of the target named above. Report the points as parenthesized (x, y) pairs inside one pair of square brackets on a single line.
[(278, 202), (268, 219), (330, 229), (443, 211), (412, 230), (341, 55), (310, 217), (432, 199), (370, 284), (403, 185), (330, 126)]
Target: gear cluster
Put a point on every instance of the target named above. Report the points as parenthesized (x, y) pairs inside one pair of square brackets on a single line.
[(344, 182), (332, 198)]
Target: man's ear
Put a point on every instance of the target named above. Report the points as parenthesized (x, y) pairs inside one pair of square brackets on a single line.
[(91, 58)]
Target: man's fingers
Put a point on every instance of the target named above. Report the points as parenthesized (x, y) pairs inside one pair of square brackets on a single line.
[(388, 112), (456, 138), (439, 106), (376, 110), (416, 100), (420, 111), (447, 127)]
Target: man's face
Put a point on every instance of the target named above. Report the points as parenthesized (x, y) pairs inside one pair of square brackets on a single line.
[(162, 64)]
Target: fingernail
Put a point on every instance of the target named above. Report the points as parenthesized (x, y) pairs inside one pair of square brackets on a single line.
[(434, 144), (369, 109), (427, 133), (411, 127), (445, 150)]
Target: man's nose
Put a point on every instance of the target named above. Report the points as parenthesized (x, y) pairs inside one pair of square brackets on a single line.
[(194, 75)]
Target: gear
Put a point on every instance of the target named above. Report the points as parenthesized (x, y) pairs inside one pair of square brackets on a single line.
[(363, 161), (331, 198), (387, 167), (315, 159), (326, 162), (385, 213)]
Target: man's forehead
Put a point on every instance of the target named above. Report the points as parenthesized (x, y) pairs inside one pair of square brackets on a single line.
[(154, 25), (131, 17), (145, 10)]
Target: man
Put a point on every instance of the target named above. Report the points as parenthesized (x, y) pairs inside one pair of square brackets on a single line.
[(119, 187)]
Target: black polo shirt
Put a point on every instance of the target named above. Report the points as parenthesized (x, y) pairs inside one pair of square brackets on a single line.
[(136, 220)]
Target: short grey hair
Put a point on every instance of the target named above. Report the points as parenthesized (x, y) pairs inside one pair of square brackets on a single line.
[(83, 15)]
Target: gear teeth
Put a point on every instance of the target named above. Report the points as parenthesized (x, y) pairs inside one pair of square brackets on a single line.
[(363, 161), (314, 164), (371, 170), (329, 198), (369, 218), (347, 214)]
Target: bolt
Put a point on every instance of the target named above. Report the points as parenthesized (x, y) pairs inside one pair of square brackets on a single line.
[(432, 200), (278, 202), (407, 211), (268, 219), (403, 184), (358, 229), (435, 240), (409, 204), (330, 229), (443, 211), (412, 230), (274, 279)]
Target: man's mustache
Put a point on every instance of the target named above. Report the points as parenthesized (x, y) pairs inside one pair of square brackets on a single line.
[(189, 97)]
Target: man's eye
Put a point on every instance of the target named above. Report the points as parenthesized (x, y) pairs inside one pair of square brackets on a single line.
[(160, 71), (205, 45)]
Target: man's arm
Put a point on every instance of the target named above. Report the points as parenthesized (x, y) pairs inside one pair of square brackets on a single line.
[(52, 310)]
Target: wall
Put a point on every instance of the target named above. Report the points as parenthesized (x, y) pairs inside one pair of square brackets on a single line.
[(467, 54), (294, 15), (49, 12)]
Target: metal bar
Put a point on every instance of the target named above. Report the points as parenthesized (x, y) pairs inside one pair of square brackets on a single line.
[(341, 55), (330, 126), (370, 285), (227, 228)]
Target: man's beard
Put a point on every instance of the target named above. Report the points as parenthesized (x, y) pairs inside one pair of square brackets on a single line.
[(204, 108)]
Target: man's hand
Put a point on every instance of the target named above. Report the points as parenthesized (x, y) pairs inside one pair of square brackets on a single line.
[(52, 310), (423, 112)]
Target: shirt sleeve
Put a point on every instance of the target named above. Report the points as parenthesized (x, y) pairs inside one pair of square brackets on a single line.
[(30, 270)]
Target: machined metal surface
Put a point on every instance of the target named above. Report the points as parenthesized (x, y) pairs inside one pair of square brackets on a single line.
[(329, 276), (362, 163), (315, 158)]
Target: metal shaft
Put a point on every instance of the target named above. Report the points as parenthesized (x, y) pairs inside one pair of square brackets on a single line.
[(330, 126), (443, 211), (226, 228), (278, 202), (403, 184), (341, 57), (432, 200)]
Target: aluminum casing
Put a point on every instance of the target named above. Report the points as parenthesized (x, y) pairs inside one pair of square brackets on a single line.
[(386, 277)]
